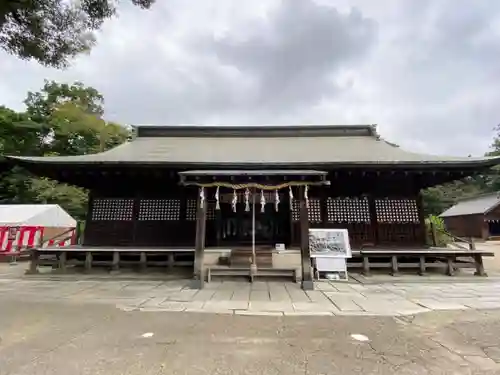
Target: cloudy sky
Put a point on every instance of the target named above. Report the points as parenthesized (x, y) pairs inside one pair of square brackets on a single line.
[(426, 71)]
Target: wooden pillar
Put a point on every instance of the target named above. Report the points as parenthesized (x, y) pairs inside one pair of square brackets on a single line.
[(135, 219), (199, 250), (421, 219), (183, 237), (62, 261), (285, 206), (218, 226), (115, 266), (373, 219), (324, 206), (34, 260), (88, 217), (307, 280), (478, 259), (143, 261), (88, 261)]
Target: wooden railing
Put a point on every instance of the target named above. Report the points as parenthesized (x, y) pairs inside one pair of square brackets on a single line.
[(460, 242)]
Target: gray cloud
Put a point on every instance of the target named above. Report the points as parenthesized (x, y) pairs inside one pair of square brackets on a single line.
[(292, 56), (446, 76), (425, 70)]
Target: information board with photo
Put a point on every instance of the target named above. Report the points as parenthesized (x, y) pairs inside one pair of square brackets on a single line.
[(329, 243)]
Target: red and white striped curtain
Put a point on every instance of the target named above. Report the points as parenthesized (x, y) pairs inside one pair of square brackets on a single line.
[(16, 239)]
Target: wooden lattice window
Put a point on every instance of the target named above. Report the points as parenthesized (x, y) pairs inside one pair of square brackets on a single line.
[(396, 211), (313, 212), (159, 209), (295, 210), (348, 210), (112, 209), (192, 206)]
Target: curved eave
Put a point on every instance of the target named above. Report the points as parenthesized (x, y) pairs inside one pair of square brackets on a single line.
[(64, 161)]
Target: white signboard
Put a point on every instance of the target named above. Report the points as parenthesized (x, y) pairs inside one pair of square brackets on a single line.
[(329, 243)]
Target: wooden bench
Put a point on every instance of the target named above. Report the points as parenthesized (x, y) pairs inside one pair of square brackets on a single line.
[(58, 258), (246, 272), (468, 259)]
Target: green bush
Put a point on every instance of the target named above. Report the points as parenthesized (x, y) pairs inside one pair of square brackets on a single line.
[(442, 239)]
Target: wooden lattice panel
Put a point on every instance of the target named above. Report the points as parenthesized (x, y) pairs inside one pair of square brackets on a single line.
[(211, 210), (400, 233), (348, 210), (104, 209), (192, 206), (159, 209), (359, 233), (295, 210), (396, 211), (313, 212)]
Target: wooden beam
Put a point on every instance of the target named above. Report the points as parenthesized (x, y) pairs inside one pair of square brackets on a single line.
[(218, 225), (323, 206), (307, 281), (373, 218), (201, 221), (88, 218), (421, 219)]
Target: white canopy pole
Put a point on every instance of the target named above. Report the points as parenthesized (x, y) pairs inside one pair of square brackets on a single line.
[(254, 255)]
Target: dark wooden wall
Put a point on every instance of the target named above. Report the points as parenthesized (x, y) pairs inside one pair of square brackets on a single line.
[(157, 215), (370, 221), (467, 226), (165, 216)]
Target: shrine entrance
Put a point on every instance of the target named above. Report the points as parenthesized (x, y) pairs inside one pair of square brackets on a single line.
[(236, 225), (256, 211)]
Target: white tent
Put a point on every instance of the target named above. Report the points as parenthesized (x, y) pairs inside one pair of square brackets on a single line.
[(42, 215)]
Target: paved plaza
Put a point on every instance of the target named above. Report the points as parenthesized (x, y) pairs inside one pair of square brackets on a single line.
[(390, 296), (59, 337), (131, 324)]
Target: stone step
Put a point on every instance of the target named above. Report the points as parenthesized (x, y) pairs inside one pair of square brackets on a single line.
[(245, 271)]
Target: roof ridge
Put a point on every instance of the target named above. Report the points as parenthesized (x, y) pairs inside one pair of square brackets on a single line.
[(255, 131)]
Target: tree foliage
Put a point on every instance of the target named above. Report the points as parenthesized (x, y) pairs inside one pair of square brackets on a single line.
[(53, 31), (60, 119), (440, 198)]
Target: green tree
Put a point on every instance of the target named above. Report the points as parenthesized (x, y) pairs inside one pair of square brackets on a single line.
[(71, 198), (41, 104), (19, 135), (60, 119), (76, 131), (439, 198), (72, 119), (53, 31)]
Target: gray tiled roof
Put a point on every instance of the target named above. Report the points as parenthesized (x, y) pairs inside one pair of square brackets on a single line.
[(246, 145), (474, 206)]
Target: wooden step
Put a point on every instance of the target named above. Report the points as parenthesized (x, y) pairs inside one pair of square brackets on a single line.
[(242, 257)]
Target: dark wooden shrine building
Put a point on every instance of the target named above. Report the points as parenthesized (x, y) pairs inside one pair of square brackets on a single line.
[(477, 217), (170, 183)]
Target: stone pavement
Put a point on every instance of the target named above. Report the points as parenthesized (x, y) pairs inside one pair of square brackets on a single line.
[(58, 337), (259, 298)]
